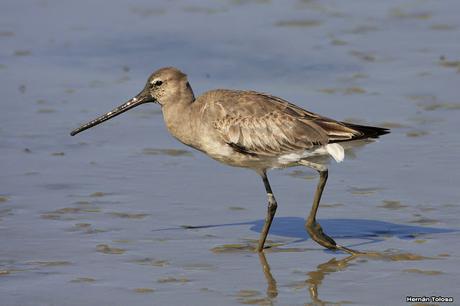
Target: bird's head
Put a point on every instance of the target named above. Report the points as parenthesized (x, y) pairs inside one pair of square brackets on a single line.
[(165, 86)]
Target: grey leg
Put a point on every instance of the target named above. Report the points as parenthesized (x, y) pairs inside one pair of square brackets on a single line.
[(314, 228), (272, 205)]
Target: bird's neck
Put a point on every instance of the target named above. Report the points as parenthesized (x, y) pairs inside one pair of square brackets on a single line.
[(178, 120)]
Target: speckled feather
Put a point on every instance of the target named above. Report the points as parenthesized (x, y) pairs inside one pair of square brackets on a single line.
[(261, 124)]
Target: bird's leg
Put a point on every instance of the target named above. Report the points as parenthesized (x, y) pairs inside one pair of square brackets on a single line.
[(271, 210), (314, 228)]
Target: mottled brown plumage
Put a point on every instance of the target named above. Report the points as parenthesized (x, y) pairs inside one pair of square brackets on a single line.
[(262, 124), (249, 129)]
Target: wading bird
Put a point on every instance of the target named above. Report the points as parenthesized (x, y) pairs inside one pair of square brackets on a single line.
[(251, 130)]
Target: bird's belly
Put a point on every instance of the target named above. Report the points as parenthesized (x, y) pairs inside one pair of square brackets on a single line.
[(257, 163), (262, 162), (227, 155), (222, 152)]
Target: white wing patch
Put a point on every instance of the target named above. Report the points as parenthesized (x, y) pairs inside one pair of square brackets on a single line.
[(336, 151)]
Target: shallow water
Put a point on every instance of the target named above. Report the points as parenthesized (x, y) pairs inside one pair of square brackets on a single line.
[(123, 214)]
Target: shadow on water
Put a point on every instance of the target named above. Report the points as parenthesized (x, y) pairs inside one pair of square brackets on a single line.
[(370, 230)]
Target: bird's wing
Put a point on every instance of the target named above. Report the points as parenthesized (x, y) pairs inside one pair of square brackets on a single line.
[(259, 124), (270, 134), (336, 131)]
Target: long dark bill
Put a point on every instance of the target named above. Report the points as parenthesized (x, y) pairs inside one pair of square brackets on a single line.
[(141, 98)]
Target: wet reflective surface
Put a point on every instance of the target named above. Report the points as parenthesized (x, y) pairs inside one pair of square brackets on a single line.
[(125, 215)]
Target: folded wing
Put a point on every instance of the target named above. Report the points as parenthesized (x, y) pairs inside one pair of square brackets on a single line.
[(268, 125)]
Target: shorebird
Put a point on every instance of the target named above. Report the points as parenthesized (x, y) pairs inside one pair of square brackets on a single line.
[(252, 130)]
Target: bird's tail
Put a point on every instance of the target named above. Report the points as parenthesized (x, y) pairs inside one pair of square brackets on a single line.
[(366, 131)]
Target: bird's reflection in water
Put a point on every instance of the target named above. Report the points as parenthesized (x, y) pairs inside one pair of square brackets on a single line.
[(314, 280), (272, 290)]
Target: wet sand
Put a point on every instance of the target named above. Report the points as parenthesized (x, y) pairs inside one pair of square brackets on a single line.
[(123, 214)]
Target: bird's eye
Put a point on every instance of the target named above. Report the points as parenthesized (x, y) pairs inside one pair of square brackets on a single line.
[(158, 82)]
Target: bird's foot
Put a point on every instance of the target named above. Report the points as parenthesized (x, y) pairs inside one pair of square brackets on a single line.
[(351, 251), (317, 234)]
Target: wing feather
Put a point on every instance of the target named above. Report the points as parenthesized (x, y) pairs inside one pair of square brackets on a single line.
[(270, 134), (261, 124)]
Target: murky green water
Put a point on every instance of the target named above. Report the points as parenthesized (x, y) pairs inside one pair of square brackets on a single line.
[(125, 215)]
